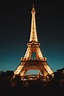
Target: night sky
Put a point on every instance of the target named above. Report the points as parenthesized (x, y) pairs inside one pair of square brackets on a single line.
[(15, 23)]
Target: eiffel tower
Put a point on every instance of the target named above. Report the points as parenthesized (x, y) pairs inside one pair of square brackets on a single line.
[(33, 46)]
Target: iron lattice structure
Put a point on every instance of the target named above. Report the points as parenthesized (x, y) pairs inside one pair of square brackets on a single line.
[(40, 62)]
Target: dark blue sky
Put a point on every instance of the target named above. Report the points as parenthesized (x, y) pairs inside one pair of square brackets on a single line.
[(15, 20)]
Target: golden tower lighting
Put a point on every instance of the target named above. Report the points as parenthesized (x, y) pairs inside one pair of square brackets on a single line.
[(33, 46)]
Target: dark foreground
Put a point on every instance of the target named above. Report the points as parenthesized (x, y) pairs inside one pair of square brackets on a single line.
[(31, 91), (33, 86)]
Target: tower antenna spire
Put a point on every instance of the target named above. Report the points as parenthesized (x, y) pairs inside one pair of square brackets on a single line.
[(33, 5)]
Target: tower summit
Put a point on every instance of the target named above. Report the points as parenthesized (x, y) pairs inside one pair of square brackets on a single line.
[(33, 46), (33, 33)]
